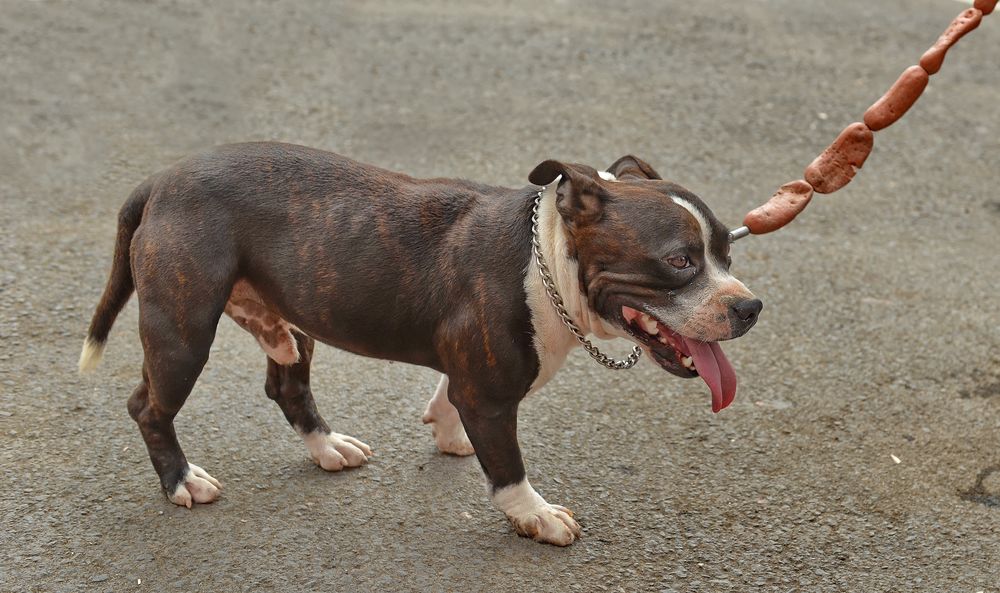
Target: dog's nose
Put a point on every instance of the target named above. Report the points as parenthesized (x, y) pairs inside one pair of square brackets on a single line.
[(747, 310)]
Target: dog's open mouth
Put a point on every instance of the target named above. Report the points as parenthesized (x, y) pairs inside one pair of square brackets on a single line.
[(683, 356)]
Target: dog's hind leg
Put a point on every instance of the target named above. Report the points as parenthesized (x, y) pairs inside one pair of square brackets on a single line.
[(183, 279), (288, 385), (446, 424), (176, 338)]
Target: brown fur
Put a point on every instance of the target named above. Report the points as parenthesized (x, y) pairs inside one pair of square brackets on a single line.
[(300, 245)]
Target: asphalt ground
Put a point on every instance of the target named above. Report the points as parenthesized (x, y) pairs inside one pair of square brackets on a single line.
[(880, 335)]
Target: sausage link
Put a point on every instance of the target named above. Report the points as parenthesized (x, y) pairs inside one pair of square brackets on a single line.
[(985, 6), (836, 166), (898, 99), (784, 205), (967, 21)]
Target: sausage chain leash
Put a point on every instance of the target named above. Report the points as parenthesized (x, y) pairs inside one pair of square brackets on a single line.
[(837, 165)]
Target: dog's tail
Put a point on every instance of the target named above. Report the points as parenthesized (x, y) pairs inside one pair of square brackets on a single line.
[(120, 285)]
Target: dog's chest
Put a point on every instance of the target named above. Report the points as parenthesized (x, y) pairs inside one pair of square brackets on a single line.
[(552, 340)]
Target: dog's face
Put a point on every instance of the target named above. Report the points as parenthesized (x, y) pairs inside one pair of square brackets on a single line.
[(654, 263)]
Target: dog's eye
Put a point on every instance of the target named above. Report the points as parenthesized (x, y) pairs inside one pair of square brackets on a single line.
[(679, 261)]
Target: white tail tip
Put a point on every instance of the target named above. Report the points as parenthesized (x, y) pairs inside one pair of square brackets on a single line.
[(90, 357)]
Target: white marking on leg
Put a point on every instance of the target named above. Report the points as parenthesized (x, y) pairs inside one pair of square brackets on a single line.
[(197, 486), (91, 355), (532, 517), (446, 424), (334, 451)]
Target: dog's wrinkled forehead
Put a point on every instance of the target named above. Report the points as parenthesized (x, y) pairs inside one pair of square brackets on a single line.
[(631, 206), (714, 234), (664, 213)]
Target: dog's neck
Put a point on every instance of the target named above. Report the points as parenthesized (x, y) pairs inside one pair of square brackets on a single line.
[(552, 338), (565, 270)]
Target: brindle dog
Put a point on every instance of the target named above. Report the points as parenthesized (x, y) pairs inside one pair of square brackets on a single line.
[(298, 245)]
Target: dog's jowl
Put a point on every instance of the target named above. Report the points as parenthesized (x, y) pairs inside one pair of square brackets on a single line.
[(299, 245)]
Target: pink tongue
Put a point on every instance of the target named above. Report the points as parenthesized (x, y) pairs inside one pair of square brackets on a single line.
[(714, 368)]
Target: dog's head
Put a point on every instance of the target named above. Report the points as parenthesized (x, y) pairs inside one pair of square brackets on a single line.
[(654, 264)]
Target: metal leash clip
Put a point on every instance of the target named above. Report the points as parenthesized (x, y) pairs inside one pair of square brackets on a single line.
[(738, 233)]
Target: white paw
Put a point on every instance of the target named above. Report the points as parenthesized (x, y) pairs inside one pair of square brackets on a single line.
[(333, 452), (532, 517), (449, 435), (197, 486), (550, 524)]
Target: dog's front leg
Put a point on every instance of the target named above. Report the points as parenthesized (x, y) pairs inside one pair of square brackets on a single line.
[(490, 419), (446, 424)]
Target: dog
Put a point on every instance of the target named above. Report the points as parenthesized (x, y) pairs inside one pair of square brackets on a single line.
[(299, 245)]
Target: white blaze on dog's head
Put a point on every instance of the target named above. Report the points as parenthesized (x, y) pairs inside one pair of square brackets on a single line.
[(703, 313)]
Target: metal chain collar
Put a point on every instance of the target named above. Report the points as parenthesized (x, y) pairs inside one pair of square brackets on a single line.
[(557, 303)]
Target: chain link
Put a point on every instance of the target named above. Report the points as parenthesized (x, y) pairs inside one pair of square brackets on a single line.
[(557, 303)]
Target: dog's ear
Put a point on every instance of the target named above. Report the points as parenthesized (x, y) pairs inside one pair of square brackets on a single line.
[(634, 167), (579, 197)]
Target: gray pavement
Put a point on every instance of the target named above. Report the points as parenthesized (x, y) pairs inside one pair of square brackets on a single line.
[(880, 335)]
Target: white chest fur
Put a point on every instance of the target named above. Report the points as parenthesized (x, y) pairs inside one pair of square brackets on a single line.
[(553, 340)]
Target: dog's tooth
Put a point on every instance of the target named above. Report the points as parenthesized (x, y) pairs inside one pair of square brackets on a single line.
[(688, 362), (649, 324)]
